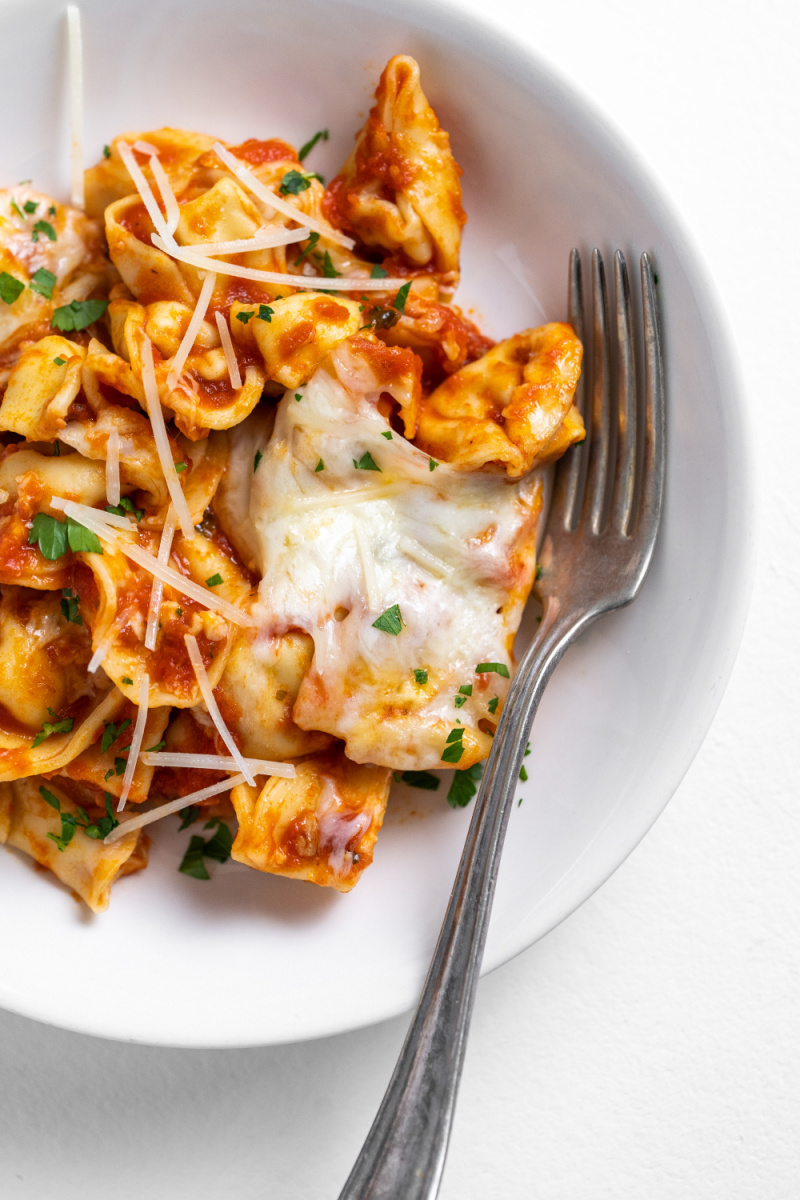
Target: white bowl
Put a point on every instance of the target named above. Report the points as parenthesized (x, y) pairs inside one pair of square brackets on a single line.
[(250, 959)]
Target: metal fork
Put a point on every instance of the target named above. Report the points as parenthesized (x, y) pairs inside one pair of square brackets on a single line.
[(601, 531)]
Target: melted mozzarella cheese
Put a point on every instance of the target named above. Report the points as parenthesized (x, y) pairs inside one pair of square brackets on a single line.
[(454, 550)]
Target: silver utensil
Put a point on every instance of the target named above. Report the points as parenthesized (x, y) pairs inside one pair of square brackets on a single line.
[(601, 530)]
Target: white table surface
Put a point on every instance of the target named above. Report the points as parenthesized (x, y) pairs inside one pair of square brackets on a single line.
[(648, 1048)]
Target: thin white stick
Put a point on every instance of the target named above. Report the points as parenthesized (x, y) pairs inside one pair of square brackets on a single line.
[(112, 468), (316, 283), (277, 202), (216, 762), (76, 103), (173, 212), (193, 328), (261, 240), (102, 650), (213, 711), (136, 740), (145, 191), (230, 353), (157, 590), (164, 810), (162, 440)]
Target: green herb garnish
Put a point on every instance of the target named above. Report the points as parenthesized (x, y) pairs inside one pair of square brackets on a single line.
[(497, 667), (313, 238), (492, 706), (399, 301), (214, 580), (295, 182), (155, 749), (421, 675), (308, 146), (366, 463), (257, 460), (127, 681), (125, 506), (189, 816), (421, 779), (111, 732), (179, 467), (59, 361), (43, 282), (11, 288), (265, 313), (244, 317), (106, 152), (43, 227), (77, 315), (328, 269), (319, 467), (390, 621), (378, 273), (523, 774), (464, 786), (387, 434), (60, 725), (69, 606)]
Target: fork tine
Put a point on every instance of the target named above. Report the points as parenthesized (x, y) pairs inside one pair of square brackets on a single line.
[(655, 448), (577, 462), (631, 419), (605, 422)]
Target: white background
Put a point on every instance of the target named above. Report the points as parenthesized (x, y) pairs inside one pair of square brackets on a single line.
[(648, 1048)]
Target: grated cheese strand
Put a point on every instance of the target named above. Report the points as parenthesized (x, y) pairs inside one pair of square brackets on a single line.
[(112, 468), (157, 590), (164, 810), (76, 103), (253, 184), (314, 283), (423, 558), (193, 328), (162, 440), (144, 190), (103, 647), (216, 762), (96, 521), (262, 239), (136, 740), (168, 198), (213, 711), (230, 353)]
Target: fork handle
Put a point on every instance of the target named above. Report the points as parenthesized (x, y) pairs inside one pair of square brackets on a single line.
[(404, 1153)]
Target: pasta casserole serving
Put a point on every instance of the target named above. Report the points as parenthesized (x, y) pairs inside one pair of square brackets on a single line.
[(268, 499)]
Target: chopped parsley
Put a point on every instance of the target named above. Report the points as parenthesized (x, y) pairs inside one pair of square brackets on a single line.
[(313, 238), (30, 206), (69, 606), (244, 317), (390, 621), (125, 506), (60, 725), (218, 847), (106, 152), (180, 467), (464, 691), (321, 136), (459, 701), (111, 732), (432, 464), (319, 467), (366, 463), (295, 182), (59, 361), (328, 269), (421, 779), (178, 612), (43, 282), (399, 301), (265, 313), (214, 580), (381, 317), (43, 227), (127, 681), (189, 816), (56, 449), (387, 433), (421, 675), (79, 314), (155, 749), (54, 536), (298, 396), (11, 288), (464, 786), (498, 668), (257, 460), (523, 774), (16, 208), (378, 273), (453, 747), (51, 212), (538, 574), (492, 706)]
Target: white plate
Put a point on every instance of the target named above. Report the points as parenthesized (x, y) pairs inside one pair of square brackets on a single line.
[(250, 959)]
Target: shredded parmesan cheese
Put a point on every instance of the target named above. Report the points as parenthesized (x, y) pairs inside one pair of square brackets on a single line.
[(173, 806), (211, 704), (277, 202), (216, 762), (423, 558), (136, 740), (162, 441), (76, 103), (368, 568), (103, 647), (157, 590), (193, 328), (92, 519), (145, 191), (262, 239), (230, 353), (341, 283), (112, 468), (173, 213)]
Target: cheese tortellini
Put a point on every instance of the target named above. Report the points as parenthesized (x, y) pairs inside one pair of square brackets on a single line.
[(268, 499)]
